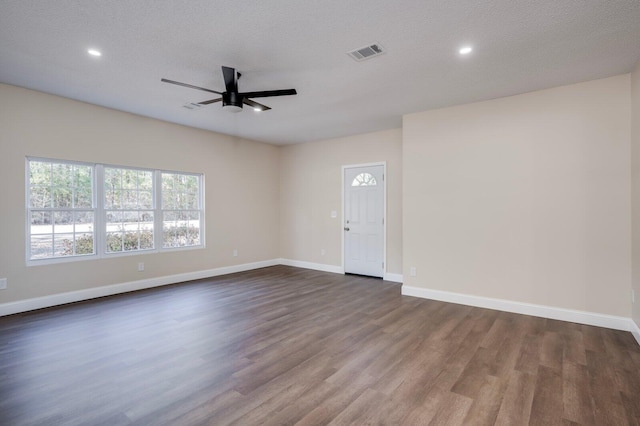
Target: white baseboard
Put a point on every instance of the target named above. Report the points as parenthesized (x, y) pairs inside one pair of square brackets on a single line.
[(109, 290), (581, 317), (310, 265), (635, 330), (396, 278)]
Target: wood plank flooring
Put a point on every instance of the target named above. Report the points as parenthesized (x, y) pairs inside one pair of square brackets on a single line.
[(281, 346)]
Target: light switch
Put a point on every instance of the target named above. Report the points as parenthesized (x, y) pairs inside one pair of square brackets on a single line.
[(334, 214)]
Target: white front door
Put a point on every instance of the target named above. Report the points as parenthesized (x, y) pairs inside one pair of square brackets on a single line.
[(364, 220)]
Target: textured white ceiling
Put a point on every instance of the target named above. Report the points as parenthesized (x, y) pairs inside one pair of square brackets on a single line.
[(520, 46)]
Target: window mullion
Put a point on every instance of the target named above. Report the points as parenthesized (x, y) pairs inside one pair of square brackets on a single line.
[(157, 210), (201, 209), (100, 216)]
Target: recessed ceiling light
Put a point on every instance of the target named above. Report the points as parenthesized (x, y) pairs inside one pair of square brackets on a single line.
[(257, 109), (94, 52), (465, 50)]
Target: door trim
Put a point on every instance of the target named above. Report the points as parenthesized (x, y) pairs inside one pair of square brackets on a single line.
[(384, 208)]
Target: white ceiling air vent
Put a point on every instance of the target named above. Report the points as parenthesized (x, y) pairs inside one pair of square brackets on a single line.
[(366, 52)]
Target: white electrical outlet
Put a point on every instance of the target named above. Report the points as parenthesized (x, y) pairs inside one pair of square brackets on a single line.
[(141, 266), (3, 283), (235, 252), (412, 271), (322, 252)]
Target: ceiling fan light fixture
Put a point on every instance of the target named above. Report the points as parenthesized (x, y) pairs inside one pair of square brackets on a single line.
[(232, 108)]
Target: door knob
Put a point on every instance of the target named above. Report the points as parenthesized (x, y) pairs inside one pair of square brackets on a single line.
[(346, 228)]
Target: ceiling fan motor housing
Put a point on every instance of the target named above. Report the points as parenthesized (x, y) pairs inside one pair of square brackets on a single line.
[(232, 101)]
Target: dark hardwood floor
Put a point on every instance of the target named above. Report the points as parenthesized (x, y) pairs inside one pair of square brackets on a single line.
[(283, 345)]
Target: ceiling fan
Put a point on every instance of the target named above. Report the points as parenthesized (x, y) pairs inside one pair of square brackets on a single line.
[(232, 100)]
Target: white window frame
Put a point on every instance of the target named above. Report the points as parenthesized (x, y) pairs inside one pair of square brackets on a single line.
[(104, 210), (161, 210), (100, 214), (29, 209)]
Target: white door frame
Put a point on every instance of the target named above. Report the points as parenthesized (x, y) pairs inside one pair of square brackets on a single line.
[(384, 222)]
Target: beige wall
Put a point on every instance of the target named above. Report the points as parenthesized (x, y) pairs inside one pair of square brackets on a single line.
[(242, 188), (523, 198), (635, 186), (310, 188)]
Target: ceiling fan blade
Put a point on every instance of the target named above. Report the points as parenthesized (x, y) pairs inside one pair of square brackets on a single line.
[(255, 105), (209, 102), (268, 93), (164, 80), (230, 79)]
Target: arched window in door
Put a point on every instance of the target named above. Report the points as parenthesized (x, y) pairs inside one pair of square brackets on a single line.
[(364, 179)]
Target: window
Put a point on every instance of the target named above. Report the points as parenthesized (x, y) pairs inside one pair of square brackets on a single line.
[(61, 214), (364, 179), (83, 210), (180, 210), (128, 204)]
